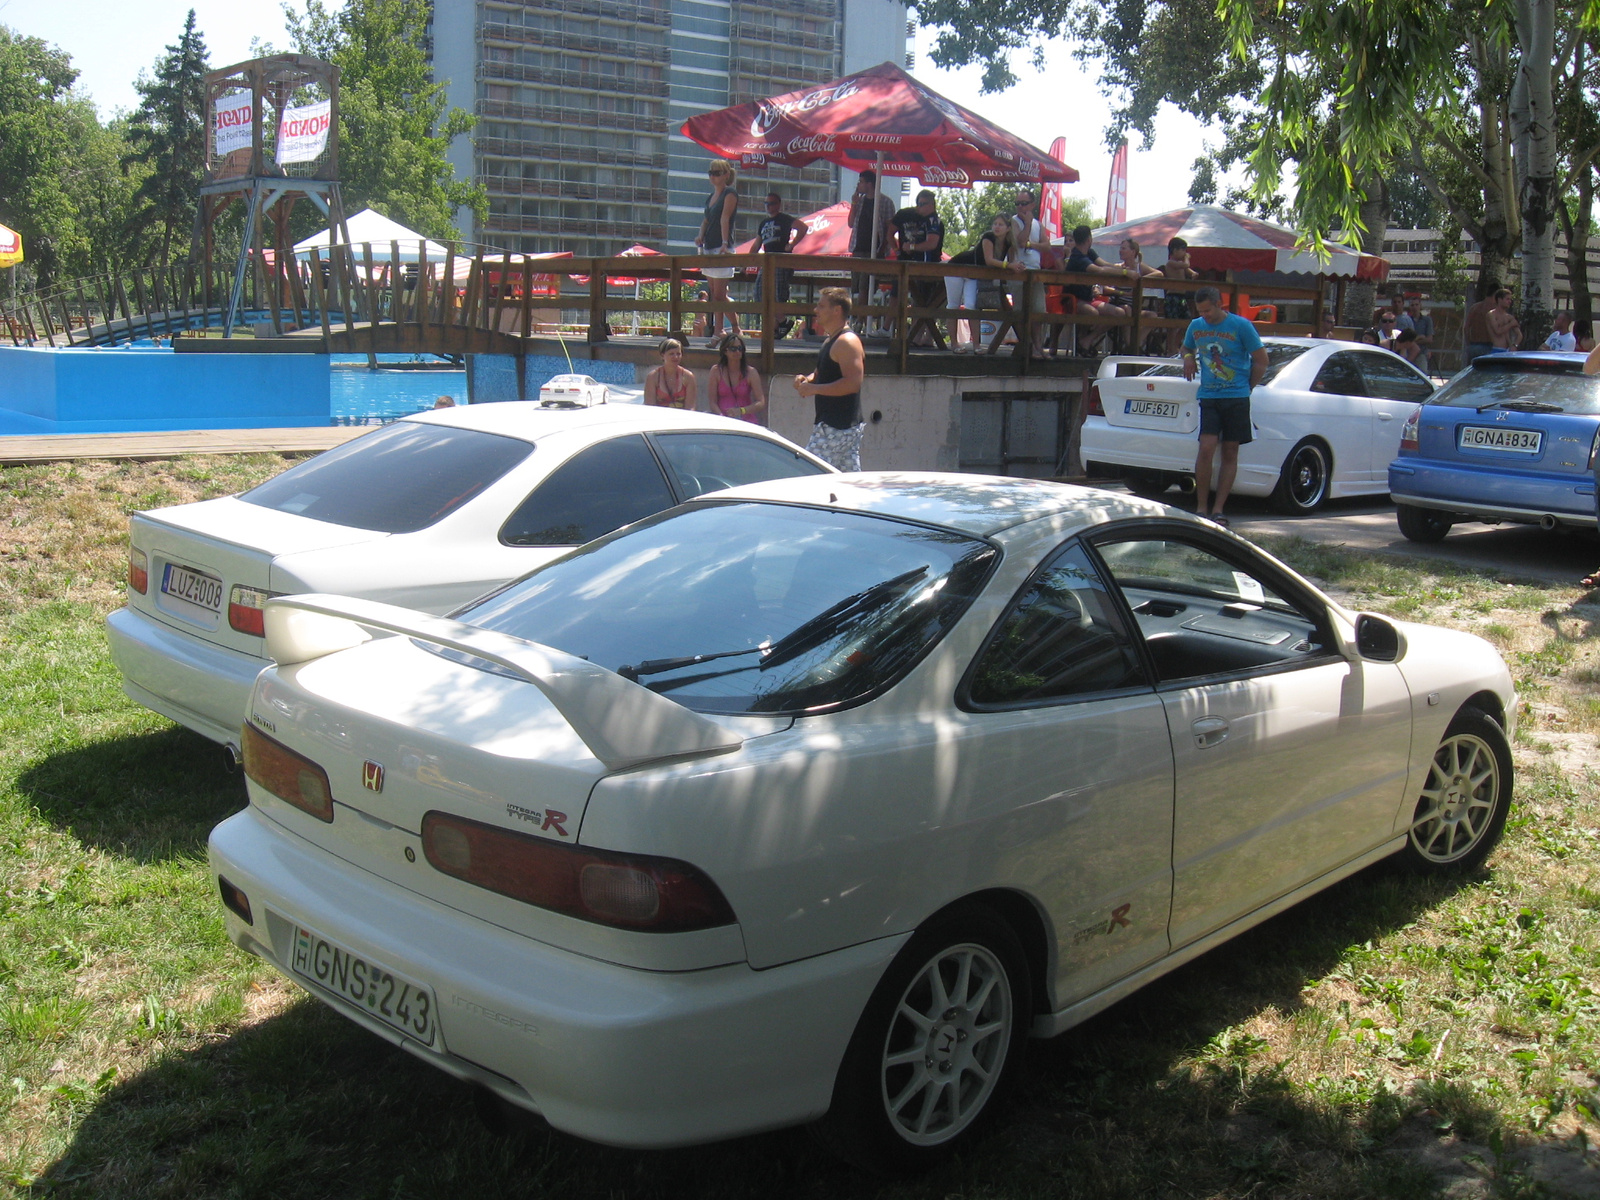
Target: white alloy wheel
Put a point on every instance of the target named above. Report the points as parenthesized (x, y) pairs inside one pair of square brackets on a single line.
[(946, 1044), (1464, 802)]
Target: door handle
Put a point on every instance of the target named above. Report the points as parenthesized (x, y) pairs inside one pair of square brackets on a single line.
[(1208, 731), (1385, 416)]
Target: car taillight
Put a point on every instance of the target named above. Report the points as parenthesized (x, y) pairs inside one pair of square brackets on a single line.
[(1093, 407), (1594, 451), (630, 891), (138, 571), (287, 775), (1408, 432), (246, 610)]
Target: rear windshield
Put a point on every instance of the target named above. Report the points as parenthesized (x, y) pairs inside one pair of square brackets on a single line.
[(1521, 384), (400, 479), (794, 609)]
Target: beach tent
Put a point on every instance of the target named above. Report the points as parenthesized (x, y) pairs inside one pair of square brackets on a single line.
[(374, 227), (1220, 240)]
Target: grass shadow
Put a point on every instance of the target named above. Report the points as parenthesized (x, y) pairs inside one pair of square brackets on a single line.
[(147, 797), (307, 1104)]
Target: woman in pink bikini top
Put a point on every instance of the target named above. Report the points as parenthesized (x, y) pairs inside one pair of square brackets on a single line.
[(669, 385), (735, 385)]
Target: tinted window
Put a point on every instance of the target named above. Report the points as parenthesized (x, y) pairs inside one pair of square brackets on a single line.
[(595, 491), (400, 479), (1279, 356), (1201, 614), (707, 462), (807, 608), (1389, 378), (1341, 376), (1523, 384), (1062, 638)]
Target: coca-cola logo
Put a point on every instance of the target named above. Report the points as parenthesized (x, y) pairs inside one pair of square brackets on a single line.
[(769, 113), (754, 160), (813, 143), (945, 177), (1028, 167)]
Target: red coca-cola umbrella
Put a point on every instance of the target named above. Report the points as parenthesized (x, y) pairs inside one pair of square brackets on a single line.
[(882, 119)]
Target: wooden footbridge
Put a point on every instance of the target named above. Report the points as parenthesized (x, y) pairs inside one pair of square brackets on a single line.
[(372, 299)]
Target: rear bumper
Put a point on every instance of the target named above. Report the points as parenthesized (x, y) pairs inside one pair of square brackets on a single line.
[(1154, 450), (1472, 492), (196, 684), (610, 1053)]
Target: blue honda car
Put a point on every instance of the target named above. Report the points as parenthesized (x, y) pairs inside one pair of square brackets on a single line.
[(1511, 438)]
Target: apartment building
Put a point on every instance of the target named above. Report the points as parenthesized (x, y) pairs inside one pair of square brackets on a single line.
[(579, 103)]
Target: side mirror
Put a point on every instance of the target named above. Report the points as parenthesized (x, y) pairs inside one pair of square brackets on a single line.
[(1378, 639)]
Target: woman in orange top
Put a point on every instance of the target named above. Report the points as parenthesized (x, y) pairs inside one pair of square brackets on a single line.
[(669, 385)]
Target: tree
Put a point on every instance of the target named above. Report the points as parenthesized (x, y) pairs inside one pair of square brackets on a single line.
[(35, 79), (967, 213), (168, 135), (394, 129)]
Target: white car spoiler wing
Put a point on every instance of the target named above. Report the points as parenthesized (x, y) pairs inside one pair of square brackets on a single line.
[(622, 723)]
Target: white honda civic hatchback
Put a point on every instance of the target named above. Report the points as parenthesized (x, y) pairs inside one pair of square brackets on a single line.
[(816, 798), (427, 512)]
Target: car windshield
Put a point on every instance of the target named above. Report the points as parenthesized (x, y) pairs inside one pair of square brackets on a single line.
[(400, 479), (750, 607), (1545, 386)]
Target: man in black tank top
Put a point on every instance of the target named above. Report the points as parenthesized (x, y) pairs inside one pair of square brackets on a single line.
[(835, 386)]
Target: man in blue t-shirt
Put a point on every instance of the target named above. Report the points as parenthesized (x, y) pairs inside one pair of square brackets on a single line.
[(1228, 353)]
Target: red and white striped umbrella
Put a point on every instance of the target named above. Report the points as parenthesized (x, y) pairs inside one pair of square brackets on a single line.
[(1220, 240)]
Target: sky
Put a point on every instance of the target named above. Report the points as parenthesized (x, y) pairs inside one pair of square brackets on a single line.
[(111, 41)]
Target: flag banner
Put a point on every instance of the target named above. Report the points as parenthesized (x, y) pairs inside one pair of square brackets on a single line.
[(231, 122), (1117, 193), (303, 132), (1050, 203), (10, 247)]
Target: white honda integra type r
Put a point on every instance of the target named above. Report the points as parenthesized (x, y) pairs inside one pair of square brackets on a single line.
[(812, 800)]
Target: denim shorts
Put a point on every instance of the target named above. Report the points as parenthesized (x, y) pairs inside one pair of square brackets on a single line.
[(1227, 417)]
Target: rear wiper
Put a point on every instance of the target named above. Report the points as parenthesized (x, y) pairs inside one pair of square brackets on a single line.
[(1522, 406), (805, 636)]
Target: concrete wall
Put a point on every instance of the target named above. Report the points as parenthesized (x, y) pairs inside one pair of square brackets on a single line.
[(104, 390)]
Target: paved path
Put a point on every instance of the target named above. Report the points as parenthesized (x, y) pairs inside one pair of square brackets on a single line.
[(44, 448), (1515, 551)]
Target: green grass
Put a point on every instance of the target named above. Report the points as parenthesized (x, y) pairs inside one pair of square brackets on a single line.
[(141, 1055)]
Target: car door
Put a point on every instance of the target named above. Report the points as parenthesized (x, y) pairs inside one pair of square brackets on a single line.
[(1396, 388), (1289, 759), (1059, 725), (1341, 415)]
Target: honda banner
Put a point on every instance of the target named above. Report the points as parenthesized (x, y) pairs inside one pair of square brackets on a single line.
[(303, 132), (230, 123)]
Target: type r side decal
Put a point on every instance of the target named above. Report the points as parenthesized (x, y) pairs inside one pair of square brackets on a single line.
[(547, 820), (1117, 920)]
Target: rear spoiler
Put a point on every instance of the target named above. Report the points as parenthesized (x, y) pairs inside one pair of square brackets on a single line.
[(622, 723), (1108, 366)]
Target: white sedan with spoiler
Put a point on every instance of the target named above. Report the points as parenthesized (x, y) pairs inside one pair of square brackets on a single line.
[(813, 800), (573, 391), (427, 512), (1326, 422)]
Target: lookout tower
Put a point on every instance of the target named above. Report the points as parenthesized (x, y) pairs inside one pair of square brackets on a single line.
[(272, 140)]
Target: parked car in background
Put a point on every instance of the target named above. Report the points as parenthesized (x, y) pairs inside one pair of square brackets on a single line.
[(427, 512), (816, 798), (573, 391), (1511, 438), (1326, 421)]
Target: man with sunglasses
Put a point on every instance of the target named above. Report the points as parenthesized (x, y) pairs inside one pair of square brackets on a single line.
[(1388, 329), (778, 233)]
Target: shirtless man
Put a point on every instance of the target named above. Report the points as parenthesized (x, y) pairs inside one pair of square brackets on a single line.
[(835, 384), (1505, 333)]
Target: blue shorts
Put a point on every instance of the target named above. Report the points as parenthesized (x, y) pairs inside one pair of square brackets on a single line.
[(1227, 417)]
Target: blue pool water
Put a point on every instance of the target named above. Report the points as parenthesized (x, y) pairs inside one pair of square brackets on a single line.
[(358, 395)]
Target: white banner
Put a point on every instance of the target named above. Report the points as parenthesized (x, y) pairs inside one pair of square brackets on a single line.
[(303, 132), (230, 123)]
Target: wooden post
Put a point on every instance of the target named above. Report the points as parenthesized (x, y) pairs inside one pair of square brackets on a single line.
[(527, 302), (144, 306), (66, 316), (372, 308), (122, 302), (419, 298), (598, 331), (769, 319), (1138, 315), (447, 288), (675, 301), (1322, 297), (902, 334), (319, 293), (83, 307), (1024, 350), (397, 289), (469, 302)]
